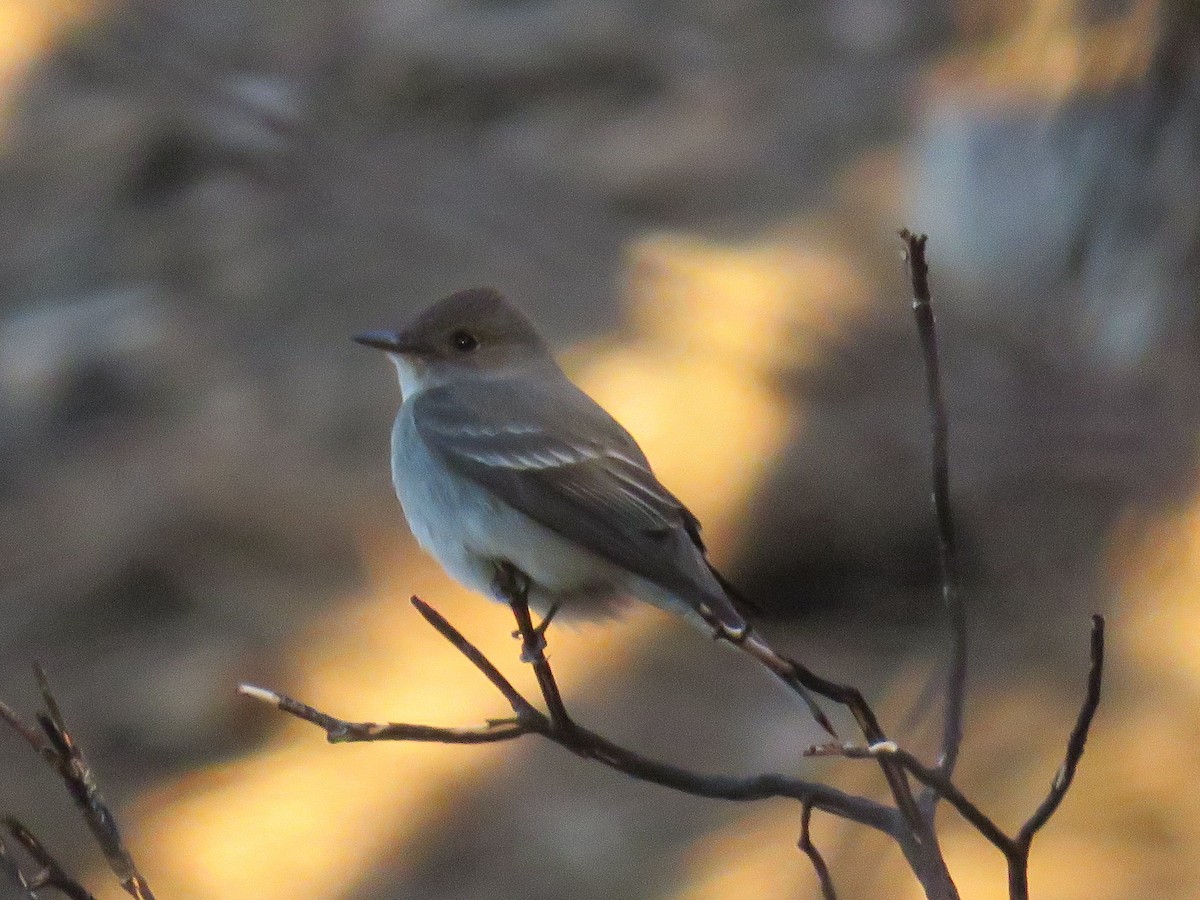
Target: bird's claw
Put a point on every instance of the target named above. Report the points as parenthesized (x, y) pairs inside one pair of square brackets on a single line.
[(545, 623), (531, 652)]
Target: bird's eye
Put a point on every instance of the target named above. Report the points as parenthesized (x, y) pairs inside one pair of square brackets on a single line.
[(463, 341)]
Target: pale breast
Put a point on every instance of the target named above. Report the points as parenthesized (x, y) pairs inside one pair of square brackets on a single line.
[(467, 530), (439, 507)]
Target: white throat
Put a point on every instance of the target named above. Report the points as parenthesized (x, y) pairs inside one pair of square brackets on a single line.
[(412, 378)]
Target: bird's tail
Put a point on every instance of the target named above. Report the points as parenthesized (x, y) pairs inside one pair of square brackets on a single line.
[(787, 672), (737, 631), (740, 601), (724, 616)]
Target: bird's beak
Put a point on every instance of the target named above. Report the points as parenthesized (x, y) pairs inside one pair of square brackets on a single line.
[(390, 341)]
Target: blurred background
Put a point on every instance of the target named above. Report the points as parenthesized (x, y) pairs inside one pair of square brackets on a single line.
[(698, 202)]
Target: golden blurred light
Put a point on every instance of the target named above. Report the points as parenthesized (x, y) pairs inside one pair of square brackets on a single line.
[(1054, 52), (1130, 826), (301, 819), (1160, 563), (752, 858), (1147, 796), (712, 325), (759, 307), (29, 28)]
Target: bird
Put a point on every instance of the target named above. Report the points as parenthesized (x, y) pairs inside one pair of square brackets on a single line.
[(500, 463)]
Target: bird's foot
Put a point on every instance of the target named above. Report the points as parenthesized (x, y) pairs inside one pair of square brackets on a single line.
[(721, 631), (530, 653), (510, 583), (545, 623)]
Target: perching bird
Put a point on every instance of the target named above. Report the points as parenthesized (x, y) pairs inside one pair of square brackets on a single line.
[(499, 459)]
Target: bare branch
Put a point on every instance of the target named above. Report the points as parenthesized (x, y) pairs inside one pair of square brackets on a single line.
[(933, 778), (814, 855), (1075, 744), (77, 776), (1018, 859), (51, 875), (339, 731), (920, 843), (61, 753), (1015, 849), (587, 744), (956, 674), (514, 586)]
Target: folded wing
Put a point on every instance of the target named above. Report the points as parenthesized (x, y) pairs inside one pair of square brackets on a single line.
[(551, 452)]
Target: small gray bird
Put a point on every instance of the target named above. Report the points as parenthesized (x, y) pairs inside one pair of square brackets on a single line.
[(499, 459)]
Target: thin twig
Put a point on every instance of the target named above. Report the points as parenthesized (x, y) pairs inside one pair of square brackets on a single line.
[(933, 778), (589, 745), (956, 672), (61, 753), (920, 845), (1077, 741), (1018, 864), (514, 587), (814, 855), (520, 705), (51, 875), (1015, 849), (339, 731)]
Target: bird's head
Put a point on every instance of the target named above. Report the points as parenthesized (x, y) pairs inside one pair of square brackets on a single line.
[(472, 334)]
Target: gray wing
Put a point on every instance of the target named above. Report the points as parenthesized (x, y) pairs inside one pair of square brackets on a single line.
[(551, 452)]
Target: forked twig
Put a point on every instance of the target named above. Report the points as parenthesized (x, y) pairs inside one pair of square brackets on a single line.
[(909, 822), (50, 875), (919, 842), (56, 746), (1018, 862), (1015, 849), (809, 849), (585, 743)]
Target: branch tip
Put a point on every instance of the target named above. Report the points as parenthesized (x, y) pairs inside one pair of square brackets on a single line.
[(809, 849), (254, 692)]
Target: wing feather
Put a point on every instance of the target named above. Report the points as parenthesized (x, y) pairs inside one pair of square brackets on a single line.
[(551, 452)]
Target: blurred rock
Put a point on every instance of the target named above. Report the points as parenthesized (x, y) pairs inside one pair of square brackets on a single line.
[(92, 357), (1064, 285), (1063, 189)]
